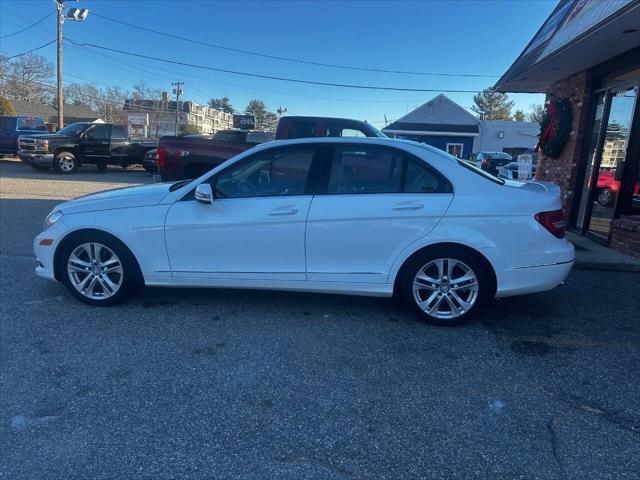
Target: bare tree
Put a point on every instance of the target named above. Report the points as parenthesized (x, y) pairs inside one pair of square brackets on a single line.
[(536, 113), (114, 98), (142, 91), (27, 78)]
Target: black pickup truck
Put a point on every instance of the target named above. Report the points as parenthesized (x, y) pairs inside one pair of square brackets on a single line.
[(80, 143)]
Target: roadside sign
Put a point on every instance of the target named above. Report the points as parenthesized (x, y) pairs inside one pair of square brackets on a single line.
[(138, 118), (245, 122), (525, 167)]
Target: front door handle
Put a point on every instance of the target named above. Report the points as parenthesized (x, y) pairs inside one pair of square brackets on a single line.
[(408, 206), (287, 210)]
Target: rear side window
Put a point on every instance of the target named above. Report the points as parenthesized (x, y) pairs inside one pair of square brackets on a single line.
[(361, 169), (118, 133), (337, 131), (302, 130), (420, 178), (479, 171)]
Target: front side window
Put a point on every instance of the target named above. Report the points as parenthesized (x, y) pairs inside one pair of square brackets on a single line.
[(99, 132), (271, 173), (362, 169)]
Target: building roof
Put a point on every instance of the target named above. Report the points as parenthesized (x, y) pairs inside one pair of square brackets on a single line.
[(577, 35), (50, 114), (440, 114)]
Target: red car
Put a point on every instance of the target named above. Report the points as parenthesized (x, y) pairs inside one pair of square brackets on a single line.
[(607, 188)]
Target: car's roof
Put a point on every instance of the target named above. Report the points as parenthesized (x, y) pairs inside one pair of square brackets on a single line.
[(408, 145)]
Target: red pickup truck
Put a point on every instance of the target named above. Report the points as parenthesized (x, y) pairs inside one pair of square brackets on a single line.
[(190, 156)]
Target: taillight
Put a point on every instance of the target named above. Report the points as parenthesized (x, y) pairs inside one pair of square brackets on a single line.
[(161, 154), (485, 162), (552, 221)]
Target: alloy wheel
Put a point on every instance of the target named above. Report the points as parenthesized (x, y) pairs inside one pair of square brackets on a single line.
[(66, 163), (445, 288), (95, 271)]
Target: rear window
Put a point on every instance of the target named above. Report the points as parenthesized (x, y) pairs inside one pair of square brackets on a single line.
[(230, 137), (31, 124), (479, 171)]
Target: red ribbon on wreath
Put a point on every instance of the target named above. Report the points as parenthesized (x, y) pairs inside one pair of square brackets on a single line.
[(550, 131)]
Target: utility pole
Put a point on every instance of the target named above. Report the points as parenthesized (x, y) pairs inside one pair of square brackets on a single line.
[(281, 111), (78, 14), (178, 91), (60, 18)]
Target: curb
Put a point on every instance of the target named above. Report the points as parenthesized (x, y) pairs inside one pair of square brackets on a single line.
[(606, 266)]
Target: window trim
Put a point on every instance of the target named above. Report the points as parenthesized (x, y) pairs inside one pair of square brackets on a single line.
[(407, 157)]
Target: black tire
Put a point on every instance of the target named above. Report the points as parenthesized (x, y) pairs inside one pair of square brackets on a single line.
[(39, 168), (605, 197), (65, 162), (465, 259), (130, 277)]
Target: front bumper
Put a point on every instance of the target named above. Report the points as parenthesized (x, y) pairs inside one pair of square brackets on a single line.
[(35, 158), (45, 253)]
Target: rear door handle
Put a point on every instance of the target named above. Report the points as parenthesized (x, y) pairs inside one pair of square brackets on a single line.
[(408, 206), (286, 210)]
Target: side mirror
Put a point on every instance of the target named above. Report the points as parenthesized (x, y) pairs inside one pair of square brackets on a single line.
[(204, 194)]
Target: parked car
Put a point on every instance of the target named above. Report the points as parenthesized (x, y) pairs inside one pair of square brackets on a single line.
[(357, 216), (12, 127), (492, 161), (80, 143), (190, 157), (510, 171), (150, 161)]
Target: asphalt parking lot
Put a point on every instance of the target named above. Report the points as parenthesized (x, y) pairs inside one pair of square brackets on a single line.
[(241, 384)]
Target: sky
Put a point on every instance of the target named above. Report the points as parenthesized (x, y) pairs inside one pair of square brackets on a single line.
[(452, 36)]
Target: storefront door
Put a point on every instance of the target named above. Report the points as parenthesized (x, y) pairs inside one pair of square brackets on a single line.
[(608, 153)]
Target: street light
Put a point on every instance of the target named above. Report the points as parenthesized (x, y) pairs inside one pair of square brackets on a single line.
[(76, 14)]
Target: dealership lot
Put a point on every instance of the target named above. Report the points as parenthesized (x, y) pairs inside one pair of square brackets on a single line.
[(245, 384)]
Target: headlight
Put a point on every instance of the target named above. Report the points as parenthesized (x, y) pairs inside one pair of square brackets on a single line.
[(52, 218), (42, 144)]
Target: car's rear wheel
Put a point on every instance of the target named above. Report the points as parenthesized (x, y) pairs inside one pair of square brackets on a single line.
[(445, 287), (65, 162), (98, 270)]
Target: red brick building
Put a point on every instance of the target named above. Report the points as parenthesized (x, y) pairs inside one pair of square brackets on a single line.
[(588, 51)]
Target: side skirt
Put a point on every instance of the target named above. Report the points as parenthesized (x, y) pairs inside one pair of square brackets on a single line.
[(365, 289)]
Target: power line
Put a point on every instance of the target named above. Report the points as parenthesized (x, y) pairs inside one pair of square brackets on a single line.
[(269, 77), (30, 26), (30, 51), (288, 59)]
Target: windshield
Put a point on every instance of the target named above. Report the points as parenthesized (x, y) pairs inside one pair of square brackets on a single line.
[(479, 171), (73, 130)]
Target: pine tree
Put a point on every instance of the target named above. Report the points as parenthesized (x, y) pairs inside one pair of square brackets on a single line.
[(537, 112), (492, 105), (519, 116), (223, 104)]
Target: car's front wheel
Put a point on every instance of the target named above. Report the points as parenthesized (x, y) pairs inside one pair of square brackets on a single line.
[(445, 287), (65, 162), (605, 197), (98, 270)]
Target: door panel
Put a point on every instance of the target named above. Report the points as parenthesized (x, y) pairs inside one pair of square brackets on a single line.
[(95, 144), (356, 238), (611, 161), (259, 238)]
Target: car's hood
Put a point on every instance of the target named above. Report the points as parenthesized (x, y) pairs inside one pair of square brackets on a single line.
[(126, 197), (46, 136)]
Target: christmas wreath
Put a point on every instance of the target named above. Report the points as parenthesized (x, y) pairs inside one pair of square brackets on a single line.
[(555, 127)]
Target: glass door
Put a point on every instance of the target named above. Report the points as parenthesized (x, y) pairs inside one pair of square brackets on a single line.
[(607, 167)]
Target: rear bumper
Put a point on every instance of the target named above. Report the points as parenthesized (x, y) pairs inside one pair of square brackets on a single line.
[(45, 159), (530, 268)]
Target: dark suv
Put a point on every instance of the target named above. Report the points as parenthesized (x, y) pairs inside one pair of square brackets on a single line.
[(492, 161)]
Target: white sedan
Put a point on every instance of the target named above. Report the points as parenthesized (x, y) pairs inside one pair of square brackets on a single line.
[(365, 216)]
